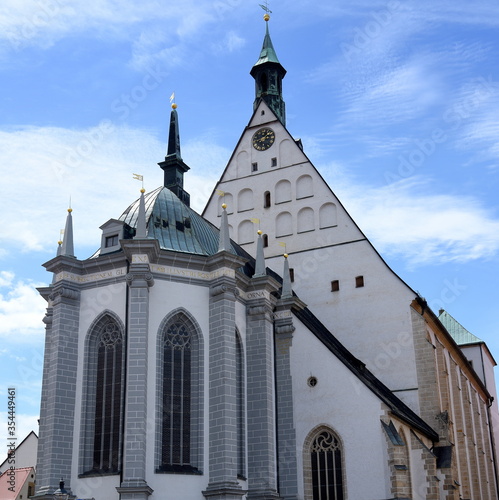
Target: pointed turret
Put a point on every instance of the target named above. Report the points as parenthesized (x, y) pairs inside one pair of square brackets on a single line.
[(224, 242), (268, 74), (173, 166), (141, 218), (260, 258), (287, 291), (67, 247)]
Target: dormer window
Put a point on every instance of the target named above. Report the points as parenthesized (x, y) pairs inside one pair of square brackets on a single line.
[(112, 232), (112, 241)]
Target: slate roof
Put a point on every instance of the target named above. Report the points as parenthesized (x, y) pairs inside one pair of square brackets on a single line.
[(178, 227), (457, 331)]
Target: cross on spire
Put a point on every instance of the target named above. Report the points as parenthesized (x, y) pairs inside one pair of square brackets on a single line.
[(266, 7)]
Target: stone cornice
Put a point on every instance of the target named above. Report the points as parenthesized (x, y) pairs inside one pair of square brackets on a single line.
[(147, 247)]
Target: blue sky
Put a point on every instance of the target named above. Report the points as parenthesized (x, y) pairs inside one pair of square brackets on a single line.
[(397, 104)]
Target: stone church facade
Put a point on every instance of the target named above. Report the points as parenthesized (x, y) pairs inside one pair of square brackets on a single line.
[(180, 363)]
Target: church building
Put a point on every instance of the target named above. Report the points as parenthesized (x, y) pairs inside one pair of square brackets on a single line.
[(191, 358)]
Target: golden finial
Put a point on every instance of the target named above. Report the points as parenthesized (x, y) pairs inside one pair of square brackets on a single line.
[(70, 210), (224, 205), (259, 232), (285, 255), (266, 17), (142, 190), (59, 242), (174, 106)]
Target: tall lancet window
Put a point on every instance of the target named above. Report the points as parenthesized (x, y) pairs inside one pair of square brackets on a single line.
[(327, 469), (180, 410), (109, 399), (103, 397)]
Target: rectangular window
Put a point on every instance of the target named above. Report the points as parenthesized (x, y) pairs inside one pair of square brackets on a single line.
[(335, 285), (111, 241), (292, 274), (254, 167), (359, 281), (274, 162)]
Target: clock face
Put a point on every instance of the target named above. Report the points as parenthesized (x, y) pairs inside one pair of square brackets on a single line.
[(263, 139)]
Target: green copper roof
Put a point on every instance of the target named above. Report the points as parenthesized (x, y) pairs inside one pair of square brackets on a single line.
[(268, 53), (456, 330), (178, 227)]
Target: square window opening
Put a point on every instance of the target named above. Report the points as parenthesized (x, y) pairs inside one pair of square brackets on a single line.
[(111, 241), (359, 281), (335, 285)]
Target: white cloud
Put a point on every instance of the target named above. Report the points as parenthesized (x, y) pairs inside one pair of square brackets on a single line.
[(25, 423), (405, 219), (21, 310), (94, 167), (6, 278)]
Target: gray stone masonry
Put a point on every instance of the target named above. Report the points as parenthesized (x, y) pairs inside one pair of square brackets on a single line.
[(222, 404), (262, 453), (55, 449), (134, 485), (222, 392), (286, 437)]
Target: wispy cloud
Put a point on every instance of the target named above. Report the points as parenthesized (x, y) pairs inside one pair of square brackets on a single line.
[(87, 165), (407, 220)]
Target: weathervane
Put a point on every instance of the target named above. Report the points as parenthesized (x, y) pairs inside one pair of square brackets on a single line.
[(266, 9)]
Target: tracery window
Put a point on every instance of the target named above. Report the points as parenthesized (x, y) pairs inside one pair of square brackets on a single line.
[(327, 471), (180, 410), (109, 399), (103, 396), (176, 396)]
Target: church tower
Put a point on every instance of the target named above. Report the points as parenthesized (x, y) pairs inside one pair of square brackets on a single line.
[(268, 74)]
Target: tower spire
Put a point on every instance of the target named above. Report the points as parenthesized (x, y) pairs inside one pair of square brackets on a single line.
[(268, 74), (173, 165)]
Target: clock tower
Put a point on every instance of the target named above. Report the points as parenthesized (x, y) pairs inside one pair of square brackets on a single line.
[(268, 74)]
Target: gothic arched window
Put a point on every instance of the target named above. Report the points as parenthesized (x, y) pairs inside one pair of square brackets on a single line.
[(326, 467), (179, 396), (104, 397), (109, 398)]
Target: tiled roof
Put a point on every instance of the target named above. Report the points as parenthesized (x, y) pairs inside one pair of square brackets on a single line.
[(21, 475)]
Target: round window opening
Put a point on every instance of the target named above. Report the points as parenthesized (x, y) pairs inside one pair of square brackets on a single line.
[(312, 381)]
